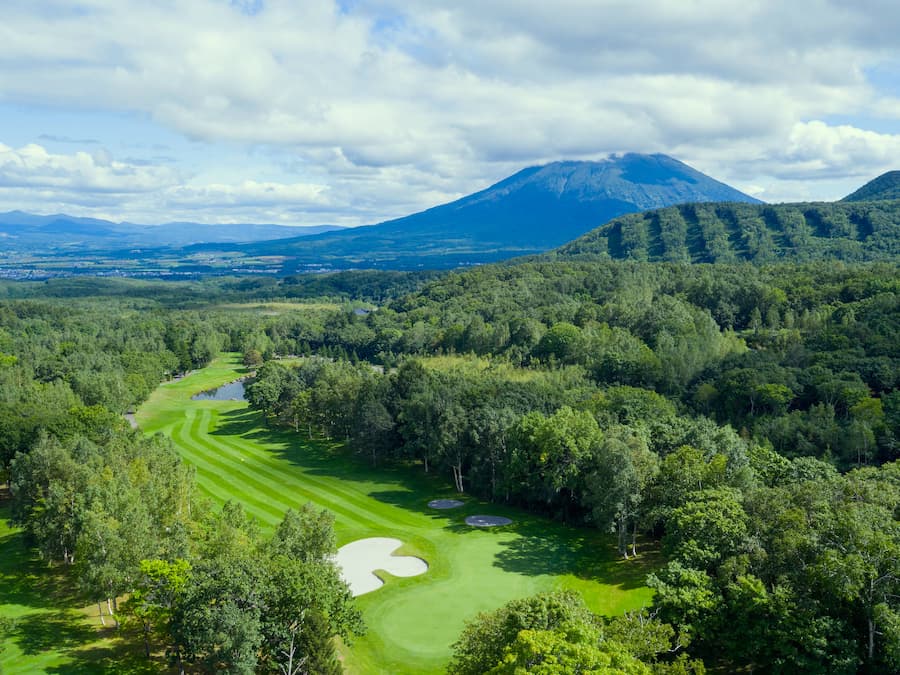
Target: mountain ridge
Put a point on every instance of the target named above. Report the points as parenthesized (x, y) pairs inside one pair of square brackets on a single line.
[(882, 188), (531, 211), (729, 233), (35, 232)]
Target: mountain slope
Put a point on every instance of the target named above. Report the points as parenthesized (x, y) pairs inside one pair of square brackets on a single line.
[(529, 212), (27, 232), (852, 231), (886, 186)]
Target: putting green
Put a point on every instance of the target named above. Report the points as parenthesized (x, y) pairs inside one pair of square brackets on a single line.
[(412, 621)]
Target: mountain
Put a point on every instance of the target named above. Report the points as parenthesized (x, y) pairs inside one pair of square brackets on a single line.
[(886, 186), (26, 232), (532, 211), (851, 231)]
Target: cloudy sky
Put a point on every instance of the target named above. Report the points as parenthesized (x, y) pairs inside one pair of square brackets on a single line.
[(349, 112)]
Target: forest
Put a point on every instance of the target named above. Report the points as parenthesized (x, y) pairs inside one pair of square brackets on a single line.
[(851, 231), (743, 420)]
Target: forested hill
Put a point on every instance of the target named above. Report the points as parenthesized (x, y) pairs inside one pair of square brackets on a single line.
[(760, 233), (886, 186)]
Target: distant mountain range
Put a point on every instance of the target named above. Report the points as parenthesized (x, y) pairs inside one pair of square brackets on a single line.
[(648, 207), (865, 226), (27, 232), (533, 210)]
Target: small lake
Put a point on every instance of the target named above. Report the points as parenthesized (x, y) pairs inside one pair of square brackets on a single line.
[(233, 391)]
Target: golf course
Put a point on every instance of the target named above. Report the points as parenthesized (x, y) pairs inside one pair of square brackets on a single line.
[(413, 621)]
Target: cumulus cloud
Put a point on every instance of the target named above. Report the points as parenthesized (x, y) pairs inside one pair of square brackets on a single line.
[(447, 98), (32, 166)]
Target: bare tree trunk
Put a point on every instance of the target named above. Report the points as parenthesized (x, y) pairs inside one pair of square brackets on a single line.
[(493, 478), (147, 639), (623, 538), (871, 639), (458, 478), (100, 612), (111, 612)]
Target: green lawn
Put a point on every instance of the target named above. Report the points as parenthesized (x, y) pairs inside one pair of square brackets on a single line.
[(412, 622), (50, 631)]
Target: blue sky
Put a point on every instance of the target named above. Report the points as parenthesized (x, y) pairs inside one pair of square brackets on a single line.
[(355, 111)]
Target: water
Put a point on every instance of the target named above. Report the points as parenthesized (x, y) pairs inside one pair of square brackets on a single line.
[(233, 391)]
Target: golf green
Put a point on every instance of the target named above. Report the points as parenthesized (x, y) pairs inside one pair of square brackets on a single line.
[(412, 622)]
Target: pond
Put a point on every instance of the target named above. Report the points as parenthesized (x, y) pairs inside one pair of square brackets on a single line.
[(233, 391)]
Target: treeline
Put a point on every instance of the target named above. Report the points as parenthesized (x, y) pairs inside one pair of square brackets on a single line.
[(802, 357), (758, 233), (555, 633), (347, 286)]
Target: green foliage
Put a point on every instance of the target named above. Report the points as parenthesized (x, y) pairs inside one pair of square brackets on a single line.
[(483, 641), (856, 229), (555, 633)]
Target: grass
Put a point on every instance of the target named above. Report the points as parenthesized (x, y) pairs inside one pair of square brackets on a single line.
[(49, 631), (413, 621)]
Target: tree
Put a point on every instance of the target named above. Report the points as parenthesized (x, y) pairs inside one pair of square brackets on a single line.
[(481, 645), (154, 599), (550, 455), (306, 535), (711, 526), (618, 485)]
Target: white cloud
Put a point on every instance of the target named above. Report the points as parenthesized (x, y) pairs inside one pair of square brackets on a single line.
[(32, 166), (389, 97)]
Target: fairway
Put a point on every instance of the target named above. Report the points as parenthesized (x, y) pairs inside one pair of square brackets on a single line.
[(411, 621)]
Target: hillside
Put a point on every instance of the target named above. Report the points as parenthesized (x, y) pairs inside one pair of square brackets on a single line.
[(532, 211), (885, 187), (851, 231)]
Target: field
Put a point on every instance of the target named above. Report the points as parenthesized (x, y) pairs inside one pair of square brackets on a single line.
[(412, 622)]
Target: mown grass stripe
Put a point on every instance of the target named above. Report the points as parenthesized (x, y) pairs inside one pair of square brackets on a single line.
[(324, 491), (227, 469), (254, 486), (211, 481)]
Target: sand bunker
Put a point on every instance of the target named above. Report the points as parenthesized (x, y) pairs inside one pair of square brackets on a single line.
[(358, 561), (444, 503), (487, 521)]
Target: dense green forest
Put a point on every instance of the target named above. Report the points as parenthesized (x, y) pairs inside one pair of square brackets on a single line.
[(746, 416), (884, 187), (759, 233), (744, 419)]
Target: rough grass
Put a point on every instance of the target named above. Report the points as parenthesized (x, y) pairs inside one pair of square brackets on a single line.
[(48, 629), (413, 621)]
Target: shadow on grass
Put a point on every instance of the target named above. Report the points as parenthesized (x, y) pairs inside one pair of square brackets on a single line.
[(115, 659), (581, 552), (52, 631), (542, 547), (25, 579), (320, 457)]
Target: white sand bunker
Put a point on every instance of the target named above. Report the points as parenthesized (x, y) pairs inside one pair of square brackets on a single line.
[(444, 503), (487, 521), (359, 559)]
